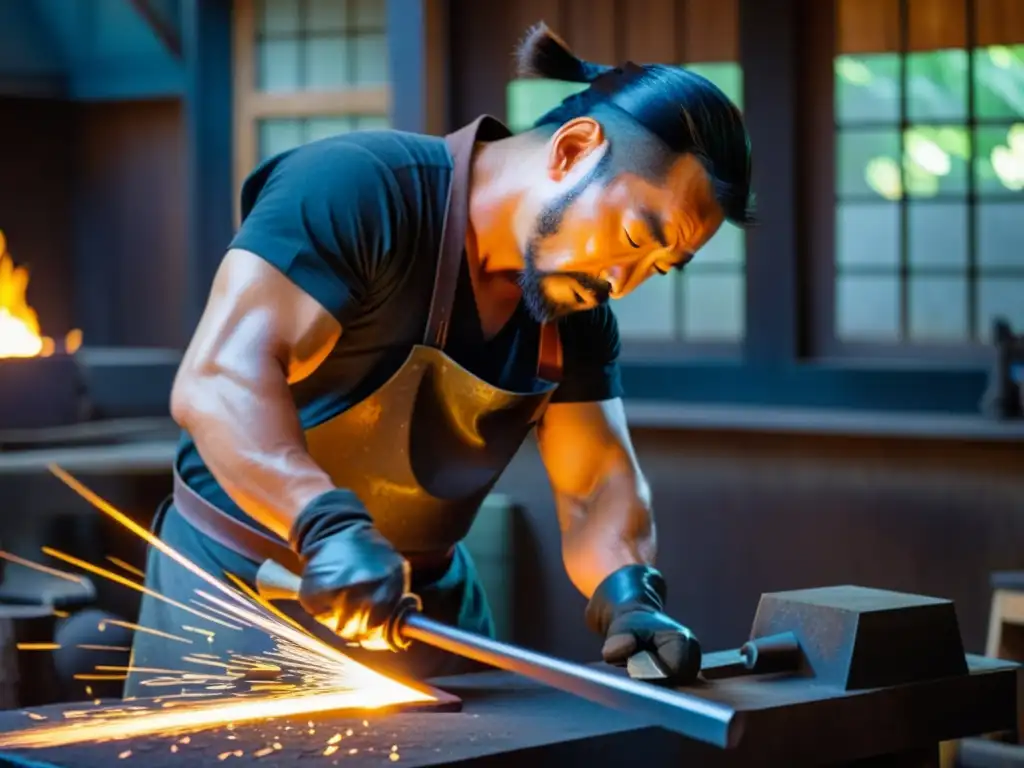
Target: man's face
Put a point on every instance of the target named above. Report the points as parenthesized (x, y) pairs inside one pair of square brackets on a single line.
[(598, 238)]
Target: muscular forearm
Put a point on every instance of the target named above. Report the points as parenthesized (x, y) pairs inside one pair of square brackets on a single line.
[(612, 528), (246, 429)]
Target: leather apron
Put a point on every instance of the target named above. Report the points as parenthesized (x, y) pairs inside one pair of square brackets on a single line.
[(425, 449)]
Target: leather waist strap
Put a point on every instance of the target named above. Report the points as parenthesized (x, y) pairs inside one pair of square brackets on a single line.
[(230, 532), (243, 539)]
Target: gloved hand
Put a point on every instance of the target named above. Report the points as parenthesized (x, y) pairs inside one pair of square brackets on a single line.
[(627, 610), (353, 578)]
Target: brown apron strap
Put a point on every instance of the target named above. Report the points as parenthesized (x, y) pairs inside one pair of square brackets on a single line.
[(453, 238), (549, 355), (229, 531)]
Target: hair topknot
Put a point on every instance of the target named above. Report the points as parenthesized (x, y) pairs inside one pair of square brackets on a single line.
[(542, 53)]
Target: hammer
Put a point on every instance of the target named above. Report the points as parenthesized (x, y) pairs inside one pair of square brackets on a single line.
[(676, 711)]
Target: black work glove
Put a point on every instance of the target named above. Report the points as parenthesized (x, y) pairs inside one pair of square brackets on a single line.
[(627, 610), (353, 578)]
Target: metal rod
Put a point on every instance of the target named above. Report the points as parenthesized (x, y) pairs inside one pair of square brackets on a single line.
[(682, 713), (675, 711)]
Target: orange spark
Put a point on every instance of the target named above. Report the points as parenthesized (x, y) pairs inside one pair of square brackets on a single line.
[(85, 676), (126, 566), (119, 579), (209, 714), (332, 681), (111, 511), (138, 628), (41, 568)]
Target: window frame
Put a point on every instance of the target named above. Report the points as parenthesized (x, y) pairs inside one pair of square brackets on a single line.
[(826, 344), (786, 52), (251, 105)]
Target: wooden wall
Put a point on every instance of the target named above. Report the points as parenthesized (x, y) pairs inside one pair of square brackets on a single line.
[(129, 225), (92, 200), (645, 31), (484, 37), (745, 513), (36, 169), (873, 26), (675, 31)]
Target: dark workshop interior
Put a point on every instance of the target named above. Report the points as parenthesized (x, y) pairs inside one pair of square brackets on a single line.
[(832, 397)]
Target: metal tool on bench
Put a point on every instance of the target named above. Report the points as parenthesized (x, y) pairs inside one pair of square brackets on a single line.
[(759, 656), (677, 711)]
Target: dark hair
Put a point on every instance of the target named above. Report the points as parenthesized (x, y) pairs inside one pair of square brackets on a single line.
[(685, 111)]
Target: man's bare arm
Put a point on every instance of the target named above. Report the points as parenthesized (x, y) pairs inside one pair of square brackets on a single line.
[(258, 333), (603, 500)]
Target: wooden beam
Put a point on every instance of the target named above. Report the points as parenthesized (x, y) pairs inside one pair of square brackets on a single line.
[(418, 62), (361, 101), (208, 103), (770, 56), (162, 28), (246, 135)]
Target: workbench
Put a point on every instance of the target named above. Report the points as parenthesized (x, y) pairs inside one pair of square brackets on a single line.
[(508, 721)]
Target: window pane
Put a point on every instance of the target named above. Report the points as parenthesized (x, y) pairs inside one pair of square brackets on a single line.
[(279, 65), (867, 163), (327, 63), (999, 81), (279, 135), (726, 247), (938, 308), (325, 16), (1000, 235), (727, 75), (322, 127), (867, 307), (369, 15), (1000, 297), (867, 234), (714, 306), (528, 99), (937, 235), (278, 17), (936, 160), (371, 60), (649, 311), (937, 85), (372, 122), (867, 88), (999, 164)]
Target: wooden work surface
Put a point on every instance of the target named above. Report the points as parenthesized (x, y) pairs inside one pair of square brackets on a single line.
[(507, 720)]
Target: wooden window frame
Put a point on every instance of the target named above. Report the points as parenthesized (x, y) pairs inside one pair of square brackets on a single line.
[(252, 105), (819, 84), (786, 51)]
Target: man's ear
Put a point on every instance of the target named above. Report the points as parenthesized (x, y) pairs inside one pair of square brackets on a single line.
[(571, 143)]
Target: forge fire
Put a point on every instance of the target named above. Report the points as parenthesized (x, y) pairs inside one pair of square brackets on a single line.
[(20, 333)]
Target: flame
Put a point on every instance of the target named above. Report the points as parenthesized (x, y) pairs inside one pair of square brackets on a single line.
[(326, 679), (20, 335)]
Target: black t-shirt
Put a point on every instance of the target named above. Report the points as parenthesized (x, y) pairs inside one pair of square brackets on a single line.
[(355, 221)]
